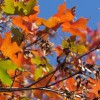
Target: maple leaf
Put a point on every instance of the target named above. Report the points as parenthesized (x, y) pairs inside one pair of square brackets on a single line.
[(76, 28), (2, 97), (50, 23), (12, 7), (70, 83), (5, 65), (64, 14), (27, 23), (58, 50), (10, 49), (96, 86), (66, 17)]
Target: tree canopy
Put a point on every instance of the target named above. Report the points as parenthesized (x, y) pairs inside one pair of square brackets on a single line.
[(26, 72)]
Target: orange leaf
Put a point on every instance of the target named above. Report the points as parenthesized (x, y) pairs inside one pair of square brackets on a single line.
[(64, 14), (68, 16), (34, 16), (52, 95), (58, 50), (10, 49), (39, 93), (96, 86), (70, 83), (50, 23), (2, 97), (18, 21), (26, 22), (61, 8), (80, 23), (76, 28)]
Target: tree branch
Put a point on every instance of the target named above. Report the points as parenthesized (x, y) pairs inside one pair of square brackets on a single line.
[(64, 79)]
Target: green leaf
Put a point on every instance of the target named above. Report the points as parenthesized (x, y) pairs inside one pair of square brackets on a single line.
[(4, 66), (12, 7), (25, 8), (18, 36), (67, 41), (24, 98), (65, 44), (80, 49), (77, 48), (38, 73), (39, 61), (9, 6), (36, 60)]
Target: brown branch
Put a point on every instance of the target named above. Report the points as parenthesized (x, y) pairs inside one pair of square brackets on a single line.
[(64, 79), (41, 78), (50, 79), (38, 88), (31, 43), (17, 75), (14, 78), (98, 46)]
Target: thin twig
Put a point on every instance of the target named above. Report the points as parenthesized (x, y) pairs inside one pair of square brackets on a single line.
[(90, 51), (17, 75), (41, 78), (14, 78), (31, 43), (64, 79), (50, 79)]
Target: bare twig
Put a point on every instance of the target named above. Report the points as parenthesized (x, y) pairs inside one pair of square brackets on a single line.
[(64, 79), (41, 78), (31, 43), (14, 77), (98, 46)]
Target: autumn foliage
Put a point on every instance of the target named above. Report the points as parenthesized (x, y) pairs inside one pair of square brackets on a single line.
[(26, 48)]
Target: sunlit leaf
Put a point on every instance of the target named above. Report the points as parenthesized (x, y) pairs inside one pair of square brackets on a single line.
[(70, 83), (80, 23), (64, 14), (10, 49), (38, 73), (50, 23), (27, 23), (58, 50), (9, 6), (74, 47), (95, 86), (40, 61), (80, 49), (12, 7), (4, 66), (76, 28)]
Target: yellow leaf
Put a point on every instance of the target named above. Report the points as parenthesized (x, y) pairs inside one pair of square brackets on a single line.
[(50, 23)]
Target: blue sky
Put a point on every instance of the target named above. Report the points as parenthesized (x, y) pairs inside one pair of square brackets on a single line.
[(86, 8)]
